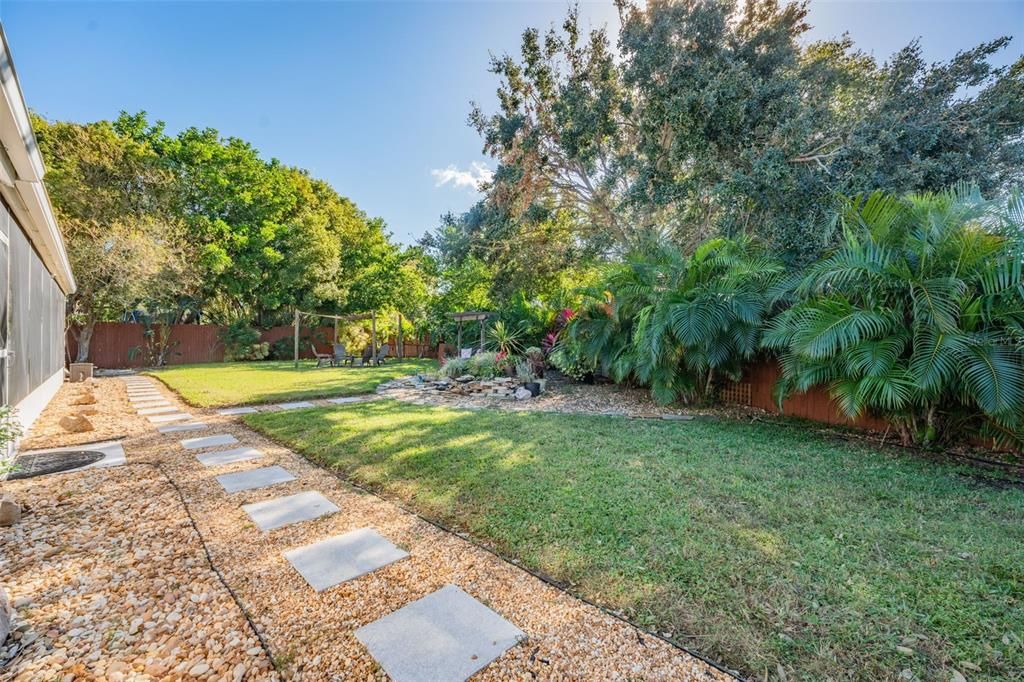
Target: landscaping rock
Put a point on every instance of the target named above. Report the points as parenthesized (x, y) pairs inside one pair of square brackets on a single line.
[(523, 394), (86, 398), (5, 616), (10, 514), (88, 412), (76, 424)]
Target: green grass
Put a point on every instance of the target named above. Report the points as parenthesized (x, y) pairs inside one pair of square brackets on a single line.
[(240, 383), (758, 545)]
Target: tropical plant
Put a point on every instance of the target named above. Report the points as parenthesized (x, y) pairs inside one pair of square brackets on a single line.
[(505, 338), (678, 322), (535, 357), (917, 316), (524, 370)]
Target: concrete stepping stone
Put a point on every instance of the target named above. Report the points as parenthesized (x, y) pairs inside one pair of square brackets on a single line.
[(254, 478), (146, 396), (213, 459), (150, 402), (296, 405), (148, 391), (178, 428), (332, 561), (237, 410), (166, 409), (164, 418), (208, 441), (345, 401), (444, 637), (283, 511)]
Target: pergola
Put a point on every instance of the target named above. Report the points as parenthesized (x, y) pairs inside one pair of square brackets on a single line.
[(478, 316), (372, 316)]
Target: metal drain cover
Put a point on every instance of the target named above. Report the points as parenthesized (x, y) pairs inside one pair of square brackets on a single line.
[(39, 464)]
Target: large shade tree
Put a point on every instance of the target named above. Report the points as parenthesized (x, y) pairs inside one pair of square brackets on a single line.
[(715, 119), (113, 198)]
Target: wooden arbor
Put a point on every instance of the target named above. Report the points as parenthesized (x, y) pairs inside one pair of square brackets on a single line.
[(480, 317), (372, 316)]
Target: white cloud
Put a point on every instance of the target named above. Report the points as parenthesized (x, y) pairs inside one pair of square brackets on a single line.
[(477, 174)]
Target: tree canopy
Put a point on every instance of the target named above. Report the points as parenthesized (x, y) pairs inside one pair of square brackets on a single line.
[(206, 226), (713, 119)]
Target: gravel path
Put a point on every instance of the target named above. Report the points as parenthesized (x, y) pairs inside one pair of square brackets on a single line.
[(311, 634)]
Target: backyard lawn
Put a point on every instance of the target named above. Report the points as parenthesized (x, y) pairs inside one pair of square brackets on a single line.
[(758, 545), (241, 383)]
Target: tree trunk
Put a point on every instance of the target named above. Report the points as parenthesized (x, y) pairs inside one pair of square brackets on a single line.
[(84, 339)]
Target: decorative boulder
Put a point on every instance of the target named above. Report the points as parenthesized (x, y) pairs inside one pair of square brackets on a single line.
[(10, 514), (76, 424), (87, 398), (523, 393), (87, 411)]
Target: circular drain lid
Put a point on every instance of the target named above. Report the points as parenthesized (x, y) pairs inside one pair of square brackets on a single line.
[(30, 466)]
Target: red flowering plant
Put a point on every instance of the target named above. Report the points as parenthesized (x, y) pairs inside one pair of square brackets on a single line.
[(562, 320)]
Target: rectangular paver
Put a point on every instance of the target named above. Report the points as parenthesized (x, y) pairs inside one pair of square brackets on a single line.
[(237, 410), (332, 561), (254, 478), (283, 511), (164, 418), (165, 409), (444, 637), (296, 405), (144, 394), (150, 402), (212, 459), (208, 441), (345, 401), (178, 428)]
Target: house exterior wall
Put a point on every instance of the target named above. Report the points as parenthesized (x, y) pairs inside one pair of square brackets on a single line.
[(34, 322)]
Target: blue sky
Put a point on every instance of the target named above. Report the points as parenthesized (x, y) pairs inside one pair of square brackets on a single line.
[(372, 97)]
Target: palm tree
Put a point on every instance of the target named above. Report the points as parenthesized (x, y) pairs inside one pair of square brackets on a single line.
[(918, 315), (676, 322)]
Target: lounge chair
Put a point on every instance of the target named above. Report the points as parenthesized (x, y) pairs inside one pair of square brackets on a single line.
[(367, 356), (341, 356), (322, 359), (381, 354)]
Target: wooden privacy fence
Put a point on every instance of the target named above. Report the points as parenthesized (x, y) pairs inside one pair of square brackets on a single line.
[(757, 389), (113, 343)]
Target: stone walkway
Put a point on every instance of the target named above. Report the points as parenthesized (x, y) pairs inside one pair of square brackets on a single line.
[(329, 573)]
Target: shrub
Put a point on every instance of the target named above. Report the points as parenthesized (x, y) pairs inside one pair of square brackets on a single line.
[(484, 365), (568, 357), (917, 316), (455, 367), (242, 342)]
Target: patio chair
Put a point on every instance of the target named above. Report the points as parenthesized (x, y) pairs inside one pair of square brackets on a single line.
[(341, 356), (383, 353), (366, 357), (322, 359)]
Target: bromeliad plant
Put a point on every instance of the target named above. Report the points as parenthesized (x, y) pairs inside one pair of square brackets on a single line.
[(678, 322), (917, 316)]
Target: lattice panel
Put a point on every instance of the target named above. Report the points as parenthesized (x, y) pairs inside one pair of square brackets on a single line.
[(737, 392)]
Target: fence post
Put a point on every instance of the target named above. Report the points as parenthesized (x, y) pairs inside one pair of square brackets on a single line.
[(296, 338)]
